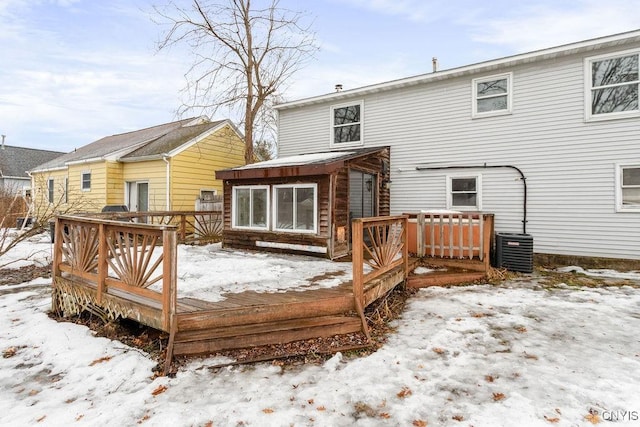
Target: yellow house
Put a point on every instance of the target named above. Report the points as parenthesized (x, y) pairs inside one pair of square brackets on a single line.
[(165, 167)]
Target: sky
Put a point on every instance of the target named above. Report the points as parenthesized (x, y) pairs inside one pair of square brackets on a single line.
[(74, 71), (521, 353)]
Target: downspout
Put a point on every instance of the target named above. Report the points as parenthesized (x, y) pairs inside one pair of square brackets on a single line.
[(165, 157), (485, 166)]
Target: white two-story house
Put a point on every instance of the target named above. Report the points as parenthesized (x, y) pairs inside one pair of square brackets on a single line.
[(548, 141)]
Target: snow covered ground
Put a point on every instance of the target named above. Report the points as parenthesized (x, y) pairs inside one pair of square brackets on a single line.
[(519, 354)]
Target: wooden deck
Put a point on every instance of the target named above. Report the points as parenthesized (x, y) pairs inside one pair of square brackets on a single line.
[(107, 266)]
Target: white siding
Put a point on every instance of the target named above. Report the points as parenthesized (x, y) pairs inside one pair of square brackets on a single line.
[(569, 163)]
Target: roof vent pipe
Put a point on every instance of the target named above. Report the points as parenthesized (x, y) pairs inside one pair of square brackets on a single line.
[(434, 61), (3, 137), (338, 87)]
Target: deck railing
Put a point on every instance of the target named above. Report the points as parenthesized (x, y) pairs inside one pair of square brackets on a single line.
[(121, 256), (379, 244), (201, 226), (460, 235)]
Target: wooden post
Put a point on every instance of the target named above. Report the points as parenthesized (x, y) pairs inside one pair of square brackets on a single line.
[(55, 267), (357, 255), (358, 259), (420, 243), (169, 277), (405, 246), (183, 227), (103, 266)]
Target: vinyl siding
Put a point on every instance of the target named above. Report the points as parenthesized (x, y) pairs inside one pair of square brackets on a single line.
[(115, 183), (91, 200), (569, 164), (194, 169), (154, 173)]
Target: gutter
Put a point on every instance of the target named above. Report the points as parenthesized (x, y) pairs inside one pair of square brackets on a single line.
[(485, 166), (165, 157)]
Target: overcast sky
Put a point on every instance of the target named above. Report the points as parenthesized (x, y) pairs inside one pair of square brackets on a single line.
[(73, 71)]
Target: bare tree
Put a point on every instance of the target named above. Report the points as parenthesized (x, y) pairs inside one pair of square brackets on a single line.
[(244, 55), (39, 209)]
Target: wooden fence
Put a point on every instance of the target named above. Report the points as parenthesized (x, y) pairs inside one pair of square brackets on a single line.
[(116, 257), (12, 207), (379, 245), (192, 226)]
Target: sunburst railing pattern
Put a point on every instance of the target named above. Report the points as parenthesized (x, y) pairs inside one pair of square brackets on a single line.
[(119, 256), (381, 244), (193, 226)]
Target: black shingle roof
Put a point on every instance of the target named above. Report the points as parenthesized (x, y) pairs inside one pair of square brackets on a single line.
[(16, 161)]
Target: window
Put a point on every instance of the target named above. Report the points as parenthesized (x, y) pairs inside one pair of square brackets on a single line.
[(346, 124), (250, 207), (50, 190), (86, 181), (613, 84), (628, 188), (208, 195), (463, 192), (295, 208), (492, 95)]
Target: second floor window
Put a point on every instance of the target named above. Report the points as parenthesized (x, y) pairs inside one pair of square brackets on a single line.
[(492, 95), (346, 122), (614, 83)]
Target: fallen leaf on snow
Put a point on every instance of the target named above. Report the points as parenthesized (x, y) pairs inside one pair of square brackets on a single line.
[(552, 420), (10, 352), (489, 378), (405, 392), (208, 424), (458, 418), (159, 390), (102, 359), (41, 419), (521, 329), (419, 423), (498, 396), (438, 350), (385, 415), (267, 411), (593, 418), (321, 408)]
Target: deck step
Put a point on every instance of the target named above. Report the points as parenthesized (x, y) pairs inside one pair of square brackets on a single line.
[(242, 336), (455, 278), (265, 313)]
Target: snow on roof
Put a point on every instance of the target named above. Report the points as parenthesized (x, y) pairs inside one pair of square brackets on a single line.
[(302, 159)]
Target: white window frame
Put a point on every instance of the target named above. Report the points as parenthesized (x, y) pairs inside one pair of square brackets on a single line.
[(51, 190), (274, 214), (478, 178), (619, 206), (233, 207), (82, 175), (509, 94), (588, 89), (334, 144)]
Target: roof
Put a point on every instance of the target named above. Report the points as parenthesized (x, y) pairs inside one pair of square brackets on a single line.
[(172, 140), (16, 161), (156, 141), (538, 55), (301, 165)]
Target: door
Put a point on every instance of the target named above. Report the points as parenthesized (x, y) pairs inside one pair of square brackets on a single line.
[(138, 198), (362, 194)]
